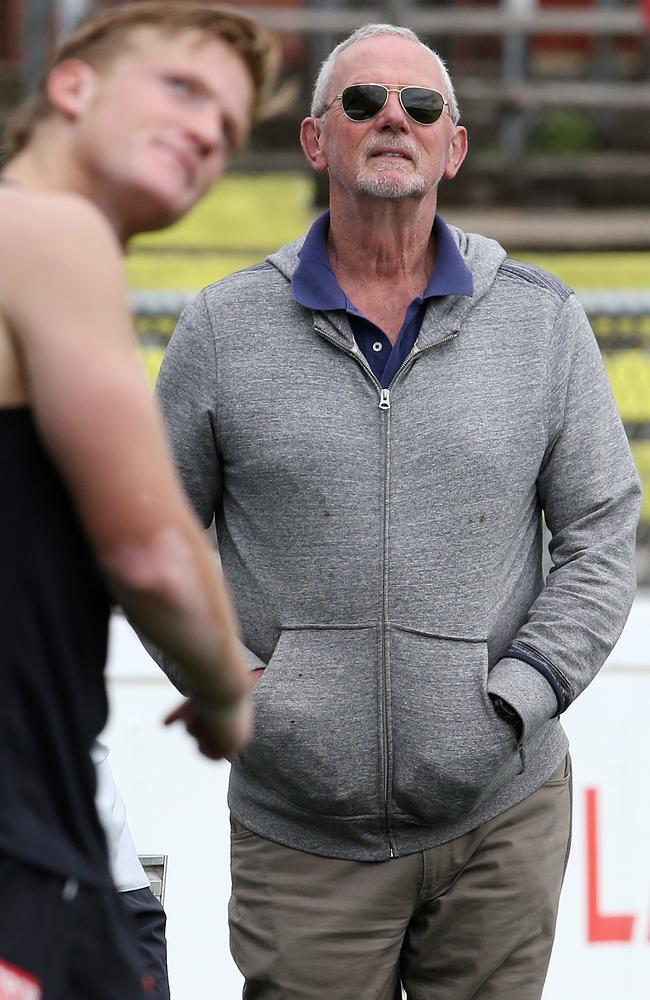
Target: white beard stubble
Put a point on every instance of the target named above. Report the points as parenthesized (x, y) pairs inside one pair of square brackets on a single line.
[(389, 187)]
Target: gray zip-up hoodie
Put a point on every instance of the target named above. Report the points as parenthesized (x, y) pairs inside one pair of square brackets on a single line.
[(383, 548)]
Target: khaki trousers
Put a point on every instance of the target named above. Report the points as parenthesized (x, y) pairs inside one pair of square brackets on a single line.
[(473, 918)]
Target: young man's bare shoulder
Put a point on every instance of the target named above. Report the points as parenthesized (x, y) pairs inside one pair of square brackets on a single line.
[(44, 235), (34, 221)]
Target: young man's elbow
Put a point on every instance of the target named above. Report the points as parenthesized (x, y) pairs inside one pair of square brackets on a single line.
[(159, 570)]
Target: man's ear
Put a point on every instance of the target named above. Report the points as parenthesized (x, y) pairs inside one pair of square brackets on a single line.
[(311, 142), (71, 86), (457, 152)]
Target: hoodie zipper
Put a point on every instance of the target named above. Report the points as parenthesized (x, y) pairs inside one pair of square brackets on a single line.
[(384, 394), (385, 406)]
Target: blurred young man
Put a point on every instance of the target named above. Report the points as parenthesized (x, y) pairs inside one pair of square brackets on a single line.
[(138, 117)]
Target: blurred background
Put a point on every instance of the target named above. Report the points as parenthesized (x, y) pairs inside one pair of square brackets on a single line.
[(556, 97)]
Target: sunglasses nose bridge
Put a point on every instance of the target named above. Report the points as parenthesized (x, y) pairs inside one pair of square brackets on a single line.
[(393, 108)]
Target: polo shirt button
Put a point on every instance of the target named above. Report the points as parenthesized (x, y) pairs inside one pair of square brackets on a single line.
[(377, 346)]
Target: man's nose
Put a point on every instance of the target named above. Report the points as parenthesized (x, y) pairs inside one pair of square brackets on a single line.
[(206, 130), (392, 115)]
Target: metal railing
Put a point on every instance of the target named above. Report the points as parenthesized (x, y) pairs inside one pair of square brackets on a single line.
[(601, 21), (155, 866)]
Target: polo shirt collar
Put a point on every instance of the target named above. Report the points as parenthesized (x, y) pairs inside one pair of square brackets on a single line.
[(314, 283)]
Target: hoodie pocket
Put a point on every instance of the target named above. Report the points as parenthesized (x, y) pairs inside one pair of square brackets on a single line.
[(451, 750), (316, 711)]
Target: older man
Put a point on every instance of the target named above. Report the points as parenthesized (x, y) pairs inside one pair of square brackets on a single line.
[(378, 416)]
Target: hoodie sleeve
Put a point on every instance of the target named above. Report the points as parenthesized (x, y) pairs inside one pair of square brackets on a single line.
[(591, 497), (187, 394)]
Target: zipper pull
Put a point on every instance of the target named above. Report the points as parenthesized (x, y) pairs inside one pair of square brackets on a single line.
[(384, 399)]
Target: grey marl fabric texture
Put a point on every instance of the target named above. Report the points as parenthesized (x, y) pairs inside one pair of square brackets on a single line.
[(386, 561)]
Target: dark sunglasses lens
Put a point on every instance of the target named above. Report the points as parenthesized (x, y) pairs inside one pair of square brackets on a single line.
[(423, 105), (363, 101)]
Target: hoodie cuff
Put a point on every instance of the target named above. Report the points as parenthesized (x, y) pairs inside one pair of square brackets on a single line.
[(526, 690)]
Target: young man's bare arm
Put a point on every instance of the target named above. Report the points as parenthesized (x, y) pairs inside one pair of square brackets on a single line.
[(63, 298)]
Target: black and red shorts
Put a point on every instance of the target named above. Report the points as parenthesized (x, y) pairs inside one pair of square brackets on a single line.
[(63, 941)]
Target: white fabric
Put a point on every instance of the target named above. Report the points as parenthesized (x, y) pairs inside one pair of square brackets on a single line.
[(127, 871)]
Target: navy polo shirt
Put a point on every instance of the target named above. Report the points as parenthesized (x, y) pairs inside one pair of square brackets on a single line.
[(314, 285)]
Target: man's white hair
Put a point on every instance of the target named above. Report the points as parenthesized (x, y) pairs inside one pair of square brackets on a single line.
[(324, 78)]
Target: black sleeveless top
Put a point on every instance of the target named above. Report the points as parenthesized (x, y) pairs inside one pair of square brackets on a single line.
[(54, 611)]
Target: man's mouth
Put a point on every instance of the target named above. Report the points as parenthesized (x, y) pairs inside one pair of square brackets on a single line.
[(184, 159), (397, 154)]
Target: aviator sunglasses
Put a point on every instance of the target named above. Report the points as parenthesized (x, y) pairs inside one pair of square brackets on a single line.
[(362, 101)]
